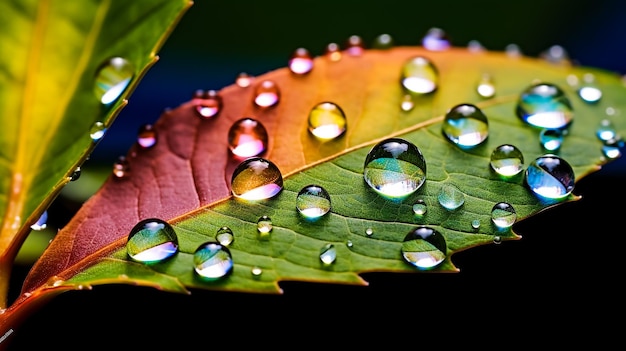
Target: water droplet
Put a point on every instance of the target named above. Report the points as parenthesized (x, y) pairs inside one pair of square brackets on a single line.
[(244, 80), (207, 103), (328, 254), (407, 103), (507, 160), (301, 61), (436, 39), (555, 54), (420, 207), (75, 175), (476, 223), (120, 167), (333, 52), (97, 131), (450, 196), (313, 201), (41, 223), (551, 139), (349, 243), (611, 149), (264, 226), (513, 51), (395, 167), (550, 177), (152, 240), (112, 79), (475, 46), (369, 231), (545, 105), (146, 137), (256, 271), (383, 42), (256, 179), (465, 125), (419, 76), (606, 130), (355, 46), (225, 236), (497, 239), (424, 248), (503, 215), (54, 281), (247, 137), (266, 94), (589, 91), (485, 87), (212, 260), (327, 121)]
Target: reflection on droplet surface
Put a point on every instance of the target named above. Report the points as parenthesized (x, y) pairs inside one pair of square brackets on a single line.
[(450, 196), (420, 207), (328, 254), (436, 40), (264, 225), (507, 160), (550, 177), (327, 121), (395, 168), (606, 130), (545, 106), (485, 87), (419, 76), (152, 240), (225, 236), (301, 61), (76, 174), (212, 260), (333, 52), (146, 136), (382, 42), (256, 179), (247, 137), (266, 94), (207, 103), (244, 80), (355, 46), (97, 131), (551, 139), (121, 167), (465, 125), (503, 215), (41, 223), (313, 201), (424, 248), (112, 79)]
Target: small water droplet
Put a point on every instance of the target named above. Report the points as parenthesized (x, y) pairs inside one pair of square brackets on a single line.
[(247, 137), (120, 167), (146, 137), (313, 201), (55, 281), (475, 46), (369, 231), (266, 94), (333, 52), (395, 168), (301, 61), (152, 240), (550, 177), (112, 79), (545, 106), (436, 39), (41, 223), (513, 51), (349, 243), (476, 223), (497, 239), (264, 226), (212, 260), (97, 131), (424, 248), (207, 103), (486, 88), (465, 125), (551, 139), (507, 160), (420, 207), (419, 76), (256, 271), (244, 80), (450, 196), (555, 54), (503, 215), (383, 42), (327, 121), (328, 254), (611, 149), (606, 130), (225, 236), (256, 179), (355, 46), (407, 103), (589, 90), (75, 175)]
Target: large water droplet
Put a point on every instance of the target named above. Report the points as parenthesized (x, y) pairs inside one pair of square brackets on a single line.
[(152, 240), (247, 137), (256, 179), (328, 254), (424, 248), (301, 61), (212, 260), (41, 223), (146, 136), (207, 103), (419, 76), (97, 131), (225, 236), (395, 168), (313, 201), (407, 103), (551, 139), (545, 106), (112, 79), (550, 177), (327, 121), (465, 125), (450, 196), (503, 215), (507, 160), (436, 39), (266, 94)]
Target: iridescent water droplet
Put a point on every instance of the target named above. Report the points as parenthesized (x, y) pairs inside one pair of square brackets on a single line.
[(476, 223), (395, 168), (225, 236), (256, 179), (465, 125), (247, 137), (611, 149), (589, 90), (420, 207), (419, 76), (256, 271), (551, 139), (550, 177), (207, 103), (369, 231), (503, 215), (121, 167), (152, 240), (327, 121), (407, 103), (301, 61), (424, 248), (513, 51), (264, 226), (333, 52), (266, 94), (244, 80), (146, 136), (97, 131), (313, 201), (606, 130), (355, 46), (436, 39), (212, 260), (383, 42), (75, 175), (486, 88), (112, 78), (507, 160), (450, 196), (328, 254), (545, 106), (41, 223)]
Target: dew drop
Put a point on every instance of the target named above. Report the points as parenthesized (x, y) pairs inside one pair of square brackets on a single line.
[(589, 90), (419, 76), (225, 236), (486, 88), (256, 179), (451, 197), (551, 139), (146, 137), (383, 42), (555, 54), (212, 260), (420, 207), (244, 80), (264, 226), (395, 168), (369, 231), (545, 106), (513, 51), (256, 271), (605, 130), (503, 215), (266, 94), (424, 248), (349, 243), (207, 103), (407, 103), (550, 177), (436, 39), (475, 46), (301, 61), (328, 254), (41, 223), (476, 223), (327, 121), (152, 240), (247, 137), (507, 160), (355, 46), (611, 149), (97, 131), (465, 125), (75, 175), (121, 167), (112, 79), (313, 201), (333, 52)]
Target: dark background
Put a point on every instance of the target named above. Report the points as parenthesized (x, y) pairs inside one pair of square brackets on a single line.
[(563, 276)]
